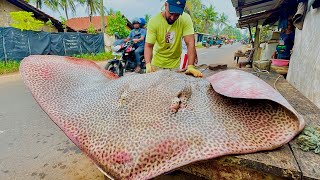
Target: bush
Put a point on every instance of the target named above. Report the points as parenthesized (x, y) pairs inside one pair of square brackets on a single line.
[(91, 29), (9, 67), (95, 57), (25, 21), (117, 24)]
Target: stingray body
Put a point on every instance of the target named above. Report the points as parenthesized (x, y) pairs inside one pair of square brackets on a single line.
[(138, 127)]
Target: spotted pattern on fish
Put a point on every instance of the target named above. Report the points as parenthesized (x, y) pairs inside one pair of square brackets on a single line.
[(127, 125)]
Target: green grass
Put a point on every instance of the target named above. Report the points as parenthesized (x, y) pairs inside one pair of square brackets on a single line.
[(96, 57), (199, 46), (9, 67)]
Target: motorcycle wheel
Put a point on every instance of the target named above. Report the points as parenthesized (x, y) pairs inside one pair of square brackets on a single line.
[(115, 67)]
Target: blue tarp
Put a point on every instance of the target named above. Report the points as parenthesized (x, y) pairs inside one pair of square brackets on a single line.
[(16, 44)]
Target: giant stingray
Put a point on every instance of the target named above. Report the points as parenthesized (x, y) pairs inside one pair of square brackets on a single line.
[(138, 127)]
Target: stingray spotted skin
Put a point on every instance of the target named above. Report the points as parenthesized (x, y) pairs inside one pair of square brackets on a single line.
[(126, 125), (235, 84)]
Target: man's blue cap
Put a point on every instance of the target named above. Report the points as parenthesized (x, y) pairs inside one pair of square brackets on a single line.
[(176, 6)]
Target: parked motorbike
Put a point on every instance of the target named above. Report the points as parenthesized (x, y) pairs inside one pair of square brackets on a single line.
[(219, 43), (124, 59)]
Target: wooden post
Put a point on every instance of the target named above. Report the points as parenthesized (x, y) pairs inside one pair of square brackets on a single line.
[(251, 35), (257, 51)]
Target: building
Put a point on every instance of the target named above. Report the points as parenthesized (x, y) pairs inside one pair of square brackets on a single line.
[(304, 68), (7, 6), (82, 24)]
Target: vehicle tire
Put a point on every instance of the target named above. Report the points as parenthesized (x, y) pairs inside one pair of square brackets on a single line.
[(115, 67)]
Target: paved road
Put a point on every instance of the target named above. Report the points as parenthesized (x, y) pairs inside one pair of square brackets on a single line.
[(33, 147), (214, 55)]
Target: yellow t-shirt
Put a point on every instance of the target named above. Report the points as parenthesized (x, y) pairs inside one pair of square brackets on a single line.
[(166, 53)]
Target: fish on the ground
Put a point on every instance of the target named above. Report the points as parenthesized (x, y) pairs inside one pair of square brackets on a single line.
[(141, 126)]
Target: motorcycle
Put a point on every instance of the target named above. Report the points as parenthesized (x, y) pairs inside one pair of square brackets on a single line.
[(219, 43), (124, 58)]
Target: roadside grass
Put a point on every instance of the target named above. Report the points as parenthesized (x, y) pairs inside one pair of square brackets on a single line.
[(199, 46), (95, 57), (9, 67), (12, 66)]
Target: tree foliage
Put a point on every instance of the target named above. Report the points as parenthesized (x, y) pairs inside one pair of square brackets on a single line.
[(25, 21), (265, 33), (147, 17), (232, 32), (93, 7), (64, 5), (117, 24), (209, 16), (221, 21), (91, 29), (49, 24)]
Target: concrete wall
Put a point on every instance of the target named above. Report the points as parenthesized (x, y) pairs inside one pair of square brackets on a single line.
[(304, 69), (108, 41), (5, 19)]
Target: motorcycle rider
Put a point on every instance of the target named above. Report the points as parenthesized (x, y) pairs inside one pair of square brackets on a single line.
[(138, 36), (143, 23)]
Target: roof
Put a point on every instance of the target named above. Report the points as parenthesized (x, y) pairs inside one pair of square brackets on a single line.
[(248, 7), (83, 23), (254, 12), (38, 14)]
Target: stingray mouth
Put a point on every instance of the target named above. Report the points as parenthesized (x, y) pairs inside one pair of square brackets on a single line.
[(181, 101)]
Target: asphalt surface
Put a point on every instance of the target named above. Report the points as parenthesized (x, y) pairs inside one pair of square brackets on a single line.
[(33, 147)]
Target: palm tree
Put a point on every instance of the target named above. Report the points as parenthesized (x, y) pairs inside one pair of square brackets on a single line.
[(93, 7), (222, 20), (38, 4), (102, 16), (65, 5), (147, 17), (209, 16), (111, 12)]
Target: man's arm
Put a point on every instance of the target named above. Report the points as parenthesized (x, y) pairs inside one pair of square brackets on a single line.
[(190, 42), (138, 40), (143, 35), (148, 48), (128, 38)]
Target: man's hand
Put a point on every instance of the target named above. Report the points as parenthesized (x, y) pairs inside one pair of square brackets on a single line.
[(193, 71), (149, 68), (126, 40), (136, 41)]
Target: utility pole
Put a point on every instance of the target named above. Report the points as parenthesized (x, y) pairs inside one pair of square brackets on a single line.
[(102, 16)]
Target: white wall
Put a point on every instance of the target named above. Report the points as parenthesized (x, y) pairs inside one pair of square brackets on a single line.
[(304, 69), (5, 19)]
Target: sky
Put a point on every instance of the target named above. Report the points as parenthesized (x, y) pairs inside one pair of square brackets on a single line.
[(138, 8)]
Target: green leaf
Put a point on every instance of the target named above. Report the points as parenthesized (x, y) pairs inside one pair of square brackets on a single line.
[(25, 21)]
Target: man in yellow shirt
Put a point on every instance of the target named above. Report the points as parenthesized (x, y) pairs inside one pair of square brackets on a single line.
[(163, 46)]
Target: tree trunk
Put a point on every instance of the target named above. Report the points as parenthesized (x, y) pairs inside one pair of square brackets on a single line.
[(206, 27), (102, 16), (66, 11), (90, 14)]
